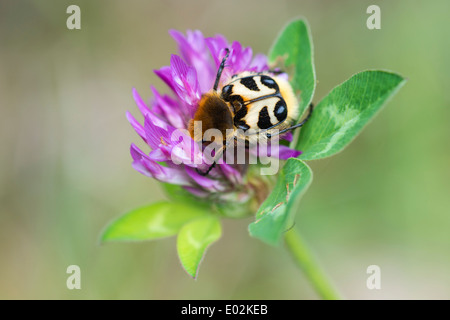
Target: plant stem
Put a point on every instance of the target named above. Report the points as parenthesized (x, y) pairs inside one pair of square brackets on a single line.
[(305, 260)]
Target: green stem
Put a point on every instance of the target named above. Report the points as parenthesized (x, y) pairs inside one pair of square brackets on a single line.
[(310, 267)]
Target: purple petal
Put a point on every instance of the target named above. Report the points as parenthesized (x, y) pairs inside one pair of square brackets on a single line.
[(136, 125), (183, 45), (274, 150), (239, 58), (201, 193), (140, 103), (155, 134), (288, 136), (158, 155), (217, 47), (170, 109), (259, 63), (143, 164), (193, 49), (283, 76), (231, 173), (185, 81), (136, 153), (285, 153), (165, 74), (205, 182), (146, 112)]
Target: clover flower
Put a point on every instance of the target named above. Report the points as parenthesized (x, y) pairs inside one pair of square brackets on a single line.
[(189, 76)]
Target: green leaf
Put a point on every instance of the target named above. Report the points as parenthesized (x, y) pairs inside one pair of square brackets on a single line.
[(293, 53), (177, 193), (342, 114), (275, 215), (158, 220), (193, 240)]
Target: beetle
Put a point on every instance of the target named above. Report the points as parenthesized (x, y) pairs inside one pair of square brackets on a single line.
[(251, 107)]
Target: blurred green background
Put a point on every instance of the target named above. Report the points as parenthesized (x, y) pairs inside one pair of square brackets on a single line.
[(65, 166)]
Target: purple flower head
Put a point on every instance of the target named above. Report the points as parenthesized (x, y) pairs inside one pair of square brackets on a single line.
[(175, 157)]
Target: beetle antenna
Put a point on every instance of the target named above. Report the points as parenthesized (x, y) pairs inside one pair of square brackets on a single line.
[(221, 67), (207, 171)]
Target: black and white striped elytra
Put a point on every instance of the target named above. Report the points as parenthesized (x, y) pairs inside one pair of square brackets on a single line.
[(260, 101)]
